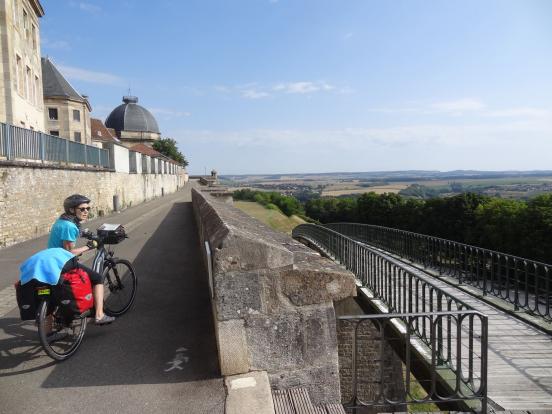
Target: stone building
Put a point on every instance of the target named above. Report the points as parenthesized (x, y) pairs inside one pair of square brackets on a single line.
[(66, 112), (133, 123), (21, 101)]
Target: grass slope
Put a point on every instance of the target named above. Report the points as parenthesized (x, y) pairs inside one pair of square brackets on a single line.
[(273, 218)]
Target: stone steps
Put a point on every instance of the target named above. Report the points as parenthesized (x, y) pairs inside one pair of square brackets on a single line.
[(297, 401)]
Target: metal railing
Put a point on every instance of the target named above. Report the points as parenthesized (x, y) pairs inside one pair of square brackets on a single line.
[(427, 311), (462, 379), (524, 283), (24, 144)]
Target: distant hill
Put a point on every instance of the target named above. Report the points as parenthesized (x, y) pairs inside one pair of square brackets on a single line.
[(407, 175)]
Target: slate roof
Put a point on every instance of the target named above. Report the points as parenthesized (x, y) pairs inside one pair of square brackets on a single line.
[(100, 132), (54, 84), (131, 117)]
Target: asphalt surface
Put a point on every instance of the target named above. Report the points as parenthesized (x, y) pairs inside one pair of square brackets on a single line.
[(160, 357)]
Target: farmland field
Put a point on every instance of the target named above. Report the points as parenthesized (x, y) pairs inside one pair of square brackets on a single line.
[(417, 184)]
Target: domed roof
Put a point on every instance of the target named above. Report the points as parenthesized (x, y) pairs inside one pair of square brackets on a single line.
[(131, 117)]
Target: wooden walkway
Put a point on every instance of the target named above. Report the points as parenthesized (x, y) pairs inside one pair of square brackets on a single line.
[(297, 401), (519, 355)]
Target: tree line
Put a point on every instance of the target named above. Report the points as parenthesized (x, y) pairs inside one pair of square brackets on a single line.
[(288, 205), (518, 227)]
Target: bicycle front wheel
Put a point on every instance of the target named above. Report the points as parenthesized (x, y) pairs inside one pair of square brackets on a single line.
[(59, 335), (120, 285)]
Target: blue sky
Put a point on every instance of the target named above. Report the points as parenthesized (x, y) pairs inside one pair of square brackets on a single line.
[(292, 86)]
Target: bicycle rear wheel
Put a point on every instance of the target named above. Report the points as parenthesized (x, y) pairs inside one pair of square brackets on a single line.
[(120, 285), (60, 336)]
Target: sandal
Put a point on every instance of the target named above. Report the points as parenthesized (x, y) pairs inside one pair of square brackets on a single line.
[(105, 320)]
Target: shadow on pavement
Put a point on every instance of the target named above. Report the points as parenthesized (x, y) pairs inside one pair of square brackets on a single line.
[(168, 335), (20, 350)]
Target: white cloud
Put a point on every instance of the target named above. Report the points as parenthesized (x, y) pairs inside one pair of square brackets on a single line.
[(348, 35), (302, 87), (458, 106), (90, 76), (467, 107), (55, 44), (521, 112), (254, 94), (255, 91), (85, 6)]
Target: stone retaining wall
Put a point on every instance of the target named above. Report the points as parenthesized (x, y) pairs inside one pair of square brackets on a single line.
[(31, 197), (273, 301)]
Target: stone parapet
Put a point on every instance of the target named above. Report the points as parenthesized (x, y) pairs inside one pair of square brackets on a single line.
[(272, 301)]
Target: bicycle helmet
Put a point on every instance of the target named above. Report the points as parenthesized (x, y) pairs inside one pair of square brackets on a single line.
[(73, 201)]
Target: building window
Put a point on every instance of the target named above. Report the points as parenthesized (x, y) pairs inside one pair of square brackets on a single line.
[(37, 90), (19, 79), (54, 133), (15, 12), (33, 34), (76, 115), (77, 136), (28, 83), (53, 114), (26, 24)]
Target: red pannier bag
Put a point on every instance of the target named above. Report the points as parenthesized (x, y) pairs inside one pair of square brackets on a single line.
[(76, 292)]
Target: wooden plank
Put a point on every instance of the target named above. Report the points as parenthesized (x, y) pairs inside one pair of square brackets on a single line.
[(282, 404)]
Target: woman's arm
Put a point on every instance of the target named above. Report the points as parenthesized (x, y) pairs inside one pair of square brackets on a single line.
[(70, 247)]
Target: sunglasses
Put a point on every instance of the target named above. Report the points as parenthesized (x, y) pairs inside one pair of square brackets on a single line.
[(83, 209)]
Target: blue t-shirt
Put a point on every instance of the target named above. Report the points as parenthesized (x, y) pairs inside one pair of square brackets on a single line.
[(62, 230), (45, 266)]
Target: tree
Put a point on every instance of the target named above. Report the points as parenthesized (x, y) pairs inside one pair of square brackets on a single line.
[(168, 147)]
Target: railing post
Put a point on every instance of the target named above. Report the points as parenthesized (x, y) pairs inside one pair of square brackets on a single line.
[(42, 147), (85, 155), (8, 141), (66, 151)]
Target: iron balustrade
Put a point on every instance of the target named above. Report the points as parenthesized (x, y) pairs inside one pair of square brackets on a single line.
[(524, 283), (25, 144), (428, 311), (469, 358)]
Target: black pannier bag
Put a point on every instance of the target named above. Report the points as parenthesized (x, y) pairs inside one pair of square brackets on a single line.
[(111, 233), (28, 297)]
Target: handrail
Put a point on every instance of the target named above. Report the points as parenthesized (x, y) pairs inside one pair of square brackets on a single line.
[(26, 144), (382, 330), (526, 284), (406, 295)]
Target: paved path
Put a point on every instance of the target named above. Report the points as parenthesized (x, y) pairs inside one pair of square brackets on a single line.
[(125, 367), (519, 355)]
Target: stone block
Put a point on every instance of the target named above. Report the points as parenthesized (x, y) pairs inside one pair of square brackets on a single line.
[(237, 294), (249, 394), (232, 346)]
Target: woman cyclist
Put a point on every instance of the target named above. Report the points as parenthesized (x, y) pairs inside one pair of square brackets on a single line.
[(65, 233)]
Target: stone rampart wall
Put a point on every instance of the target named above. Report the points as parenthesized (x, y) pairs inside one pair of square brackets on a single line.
[(31, 198), (272, 301)]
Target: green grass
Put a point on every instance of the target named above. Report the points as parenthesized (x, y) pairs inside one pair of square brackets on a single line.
[(272, 217), (418, 392)]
